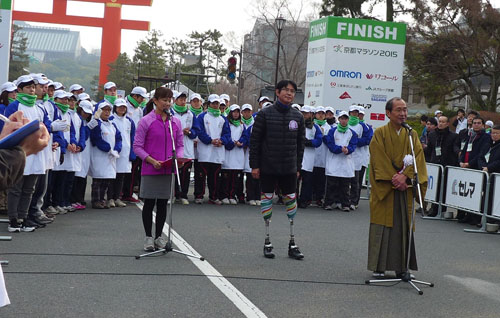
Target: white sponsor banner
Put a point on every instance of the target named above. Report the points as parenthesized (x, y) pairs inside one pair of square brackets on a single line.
[(464, 188), (355, 61), (5, 33), (433, 179), (496, 196)]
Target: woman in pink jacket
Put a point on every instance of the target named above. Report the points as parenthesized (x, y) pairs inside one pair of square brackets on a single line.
[(153, 144)]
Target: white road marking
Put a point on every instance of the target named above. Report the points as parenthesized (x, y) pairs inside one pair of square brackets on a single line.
[(234, 295)]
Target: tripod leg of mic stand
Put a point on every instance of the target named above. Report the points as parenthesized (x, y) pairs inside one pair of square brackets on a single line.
[(161, 250), (201, 258), (416, 288), (422, 283), (388, 280)]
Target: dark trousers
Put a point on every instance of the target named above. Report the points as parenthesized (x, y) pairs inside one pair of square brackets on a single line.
[(185, 176), (47, 199), (132, 179), (19, 197), (240, 195), (252, 188), (99, 189), (37, 198), (211, 172), (199, 180), (306, 190), (337, 191), (287, 184), (78, 191), (58, 181), (319, 183), (68, 187), (360, 180), (116, 186), (229, 186), (147, 215), (354, 189)]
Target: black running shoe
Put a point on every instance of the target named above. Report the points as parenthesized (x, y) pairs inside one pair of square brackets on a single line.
[(294, 252), (268, 250)]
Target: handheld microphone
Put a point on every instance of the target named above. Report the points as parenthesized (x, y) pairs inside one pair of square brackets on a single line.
[(167, 111), (405, 125)]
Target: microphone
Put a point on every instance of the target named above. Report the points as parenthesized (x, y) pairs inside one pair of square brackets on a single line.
[(167, 111), (405, 125)]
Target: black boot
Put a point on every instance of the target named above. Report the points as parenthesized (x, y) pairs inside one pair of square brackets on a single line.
[(293, 251), (268, 250)]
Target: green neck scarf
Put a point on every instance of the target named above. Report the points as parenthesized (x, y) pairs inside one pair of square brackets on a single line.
[(11, 100), (180, 109), (353, 121), (248, 121), (196, 111), (213, 111), (488, 130), (235, 122), (51, 98), (341, 128), (45, 97), (320, 122), (26, 99), (110, 99), (133, 101), (226, 111), (361, 120), (62, 107)]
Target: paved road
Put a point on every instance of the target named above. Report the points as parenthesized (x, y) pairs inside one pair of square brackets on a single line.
[(83, 265)]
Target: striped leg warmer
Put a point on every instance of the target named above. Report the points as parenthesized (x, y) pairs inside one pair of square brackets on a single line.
[(291, 205), (266, 206)]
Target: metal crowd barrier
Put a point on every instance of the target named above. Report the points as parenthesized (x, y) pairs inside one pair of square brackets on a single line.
[(436, 180)]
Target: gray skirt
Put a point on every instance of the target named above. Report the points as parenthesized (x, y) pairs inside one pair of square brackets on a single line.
[(156, 186)]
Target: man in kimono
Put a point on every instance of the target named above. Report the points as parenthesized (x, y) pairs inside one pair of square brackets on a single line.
[(391, 197)]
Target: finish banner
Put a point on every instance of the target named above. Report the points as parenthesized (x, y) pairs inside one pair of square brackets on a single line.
[(355, 61)]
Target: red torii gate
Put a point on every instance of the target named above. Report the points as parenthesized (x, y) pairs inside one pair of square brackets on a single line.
[(111, 25)]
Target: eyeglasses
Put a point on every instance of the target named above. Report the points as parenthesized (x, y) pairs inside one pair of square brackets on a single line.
[(288, 90)]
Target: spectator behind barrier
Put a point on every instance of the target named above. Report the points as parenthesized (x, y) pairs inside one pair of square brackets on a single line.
[(491, 161), (424, 140)]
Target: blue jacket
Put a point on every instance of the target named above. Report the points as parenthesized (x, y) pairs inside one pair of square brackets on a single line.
[(330, 142), (97, 141), (205, 138), (317, 140), (244, 139), (367, 136)]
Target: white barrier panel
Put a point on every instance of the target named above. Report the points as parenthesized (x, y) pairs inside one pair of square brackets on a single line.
[(433, 174), (496, 196), (464, 188)]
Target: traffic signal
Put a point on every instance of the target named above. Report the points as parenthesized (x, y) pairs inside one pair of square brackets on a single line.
[(231, 69)]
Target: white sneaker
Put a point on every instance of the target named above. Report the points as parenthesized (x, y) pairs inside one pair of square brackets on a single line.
[(51, 210), (149, 244), (61, 210), (160, 242), (184, 201), (70, 208), (198, 201), (233, 201), (257, 202), (119, 203), (111, 203), (225, 201), (252, 202)]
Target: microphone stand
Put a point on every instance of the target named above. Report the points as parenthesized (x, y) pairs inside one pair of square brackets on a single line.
[(175, 178), (406, 276)]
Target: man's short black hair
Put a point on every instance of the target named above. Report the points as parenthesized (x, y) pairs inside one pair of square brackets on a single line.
[(461, 110), (479, 117), (284, 83), (497, 127), (390, 103), (433, 121), (424, 118), (473, 112)]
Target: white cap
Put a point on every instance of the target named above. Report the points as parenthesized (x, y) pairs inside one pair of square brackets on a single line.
[(8, 86), (267, 104), (222, 101), (296, 106), (57, 85), (213, 98), (437, 112), (361, 110), (319, 109), (353, 107), (138, 90), (86, 106), (179, 94), (225, 96), (120, 102), (234, 107), (76, 87), (343, 113), (195, 95), (108, 85), (306, 109), (489, 123), (24, 79), (83, 96), (39, 79), (329, 109), (263, 98), (105, 104), (246, 106), (62, 94)]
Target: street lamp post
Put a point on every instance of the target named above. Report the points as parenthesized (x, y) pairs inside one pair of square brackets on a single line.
[(280, 23), (240, 53)]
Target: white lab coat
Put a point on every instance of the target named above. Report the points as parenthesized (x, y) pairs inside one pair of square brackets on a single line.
[(235, 158), (340, 165)]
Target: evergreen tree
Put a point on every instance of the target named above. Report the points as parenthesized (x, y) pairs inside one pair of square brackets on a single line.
[(19, 60), (121, 72), (150, 56)]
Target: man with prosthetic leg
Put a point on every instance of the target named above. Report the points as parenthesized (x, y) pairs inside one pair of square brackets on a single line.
[(276, 151)]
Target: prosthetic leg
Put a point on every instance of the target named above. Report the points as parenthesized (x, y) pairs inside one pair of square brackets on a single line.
[(291, 211), (266, 208)]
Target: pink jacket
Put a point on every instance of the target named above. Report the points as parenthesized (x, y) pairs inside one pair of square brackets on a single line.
[(152, 138)]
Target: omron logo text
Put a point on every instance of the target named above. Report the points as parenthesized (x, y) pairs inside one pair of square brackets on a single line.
[(345, 74)]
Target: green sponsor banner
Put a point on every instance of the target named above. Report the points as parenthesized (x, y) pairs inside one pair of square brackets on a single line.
[(6, 4), (357, 29)]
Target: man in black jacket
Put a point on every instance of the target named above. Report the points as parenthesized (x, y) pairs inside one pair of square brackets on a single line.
[(491, 161), (276, 151), (443, 150)]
